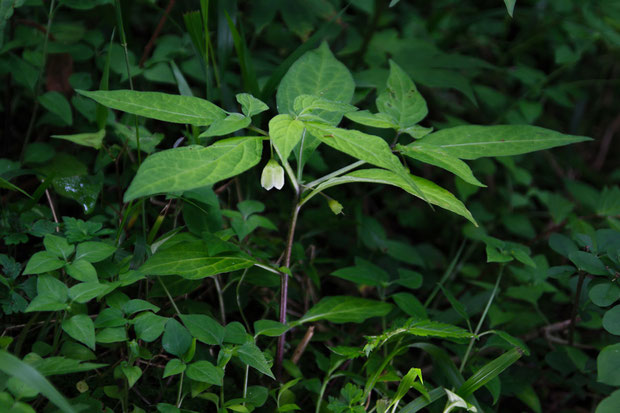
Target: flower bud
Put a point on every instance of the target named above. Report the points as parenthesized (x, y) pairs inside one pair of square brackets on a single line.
[(272, 176), (335, 206)]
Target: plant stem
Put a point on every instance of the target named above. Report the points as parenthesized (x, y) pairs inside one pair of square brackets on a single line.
[(482, 317), (245, 382), (245, 320), (445, 275), (180, 391), (573, 316), (170, 297), (284, 287), (37, 86), (220, 299)]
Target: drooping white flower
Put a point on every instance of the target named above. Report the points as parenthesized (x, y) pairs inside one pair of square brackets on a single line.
[(272, 176)]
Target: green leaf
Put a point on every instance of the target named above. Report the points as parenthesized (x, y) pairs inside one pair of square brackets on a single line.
[(232, 123), (91, 139), (84, 292), (401, 101), (611, 320), (204, 328), (305, 106), (81, 328), (173, 367), (436, 156), (93, 251), (609, 404), (588, 262), (52, 295), (608, 365), (433, 193), (56, 103), (176, 339), (111, 335), (205, 372), (14, 367), (269, 328), (132, 373), (604, 294), (160, 106), (375, 120), (285, 132), (41, 262), (317, 73), (421, 402), (510, 6), (410, 304), (51, 366), (82, 270), (364, 272), (182, 169), (149, 326), (251, 355), (250, 105), (489, 371), (344, 309), (474, 141), (191, 260), (137, 305), (7, 185), (58, 246)]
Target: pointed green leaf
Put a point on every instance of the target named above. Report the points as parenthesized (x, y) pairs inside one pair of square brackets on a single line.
[(344, 309), (269, 328), (94, 251), (436, 156), (132, 373), (251, 355), (182, 169), (191, 260), (81, 328), (489, 371), (510, 6), (232, 123), (474, 141), (160, 106), (317, 73), (375, 120), (41, 262), (205, 372), (149, 326), (84, 292), (174, 366), (306, 105), (176, 339), (58, 246), (204, 328), (588, 262), (401, 101), (91, 139), (82, 270), (285, 132), (250, 105)]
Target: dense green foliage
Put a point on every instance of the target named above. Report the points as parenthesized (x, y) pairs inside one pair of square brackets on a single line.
[(328, 205)]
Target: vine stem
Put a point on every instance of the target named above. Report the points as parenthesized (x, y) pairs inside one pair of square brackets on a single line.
[(573, 316), (284, 287)]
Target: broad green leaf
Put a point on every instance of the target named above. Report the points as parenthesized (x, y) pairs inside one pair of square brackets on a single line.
[(317, 73), (132, 373), (604, 294), (81, 328), (231, 123), (269, 328), (182, 169), (52, 295), (440, 158), (58, 246), (401, 101), (236, 334), (609, 404), (410, 304), (91, 139), (191, 260), (611, 320), (82, 270), (285, 132), (588, 262), (344, 309), (489, 371), (160, 106), (204, 328), (364, 272), (251, 355), (51, 366), (176, 339), (434, 194), (14, 367), (57, 104), (84, 292), (608, 365), (149, 326), (205, 372), (137, 305), (306, 105), (375, 120), (174, 366), (93, 251), (250, 105), (41, 262), (110, 317), (111, 335), (474, 141)]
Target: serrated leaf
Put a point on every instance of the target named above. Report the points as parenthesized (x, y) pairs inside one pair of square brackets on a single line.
[(317, 73), (191, 260), (344, 309), (474, 141), (440, 158), (182, 169), (160, 106)]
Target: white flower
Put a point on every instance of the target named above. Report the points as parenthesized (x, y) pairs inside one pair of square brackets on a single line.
[(272, 176)]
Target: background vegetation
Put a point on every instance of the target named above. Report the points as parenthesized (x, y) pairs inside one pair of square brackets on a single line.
[(137, 277)]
